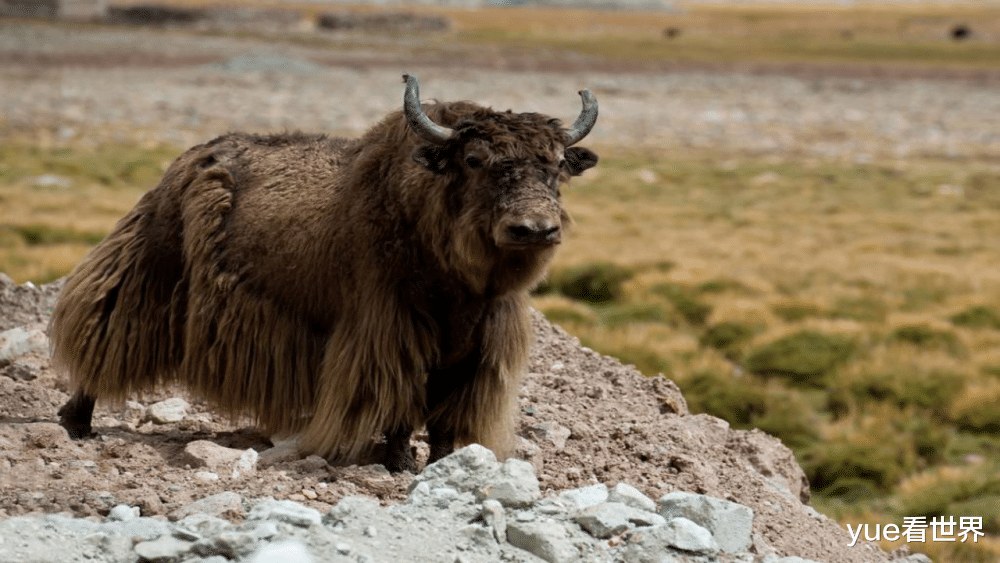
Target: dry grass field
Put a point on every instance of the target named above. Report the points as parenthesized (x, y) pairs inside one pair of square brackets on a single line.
[(850, 307)]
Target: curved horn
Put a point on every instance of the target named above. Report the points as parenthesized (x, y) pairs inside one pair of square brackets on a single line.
[(588, 117), (419, 122)]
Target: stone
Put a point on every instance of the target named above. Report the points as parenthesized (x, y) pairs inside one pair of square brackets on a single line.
[(612, 518), (652, 545), (547, 539), (585, 496), (515, 485), (551, 432), (229, 544), (46, 435), (197, 526), (18, 342), (165, 549), (283, 451), (230, 461), (219, 504), (123, 513), (168, 411), (285, 511), (282, 552), (495, 518), (630, 496), (730, 523), (464, 470), (688, 536)]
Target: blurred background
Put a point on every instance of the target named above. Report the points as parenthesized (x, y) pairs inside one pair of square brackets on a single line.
[(796, 215)]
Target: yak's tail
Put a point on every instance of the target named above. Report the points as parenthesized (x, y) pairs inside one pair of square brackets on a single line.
[(116, 327)]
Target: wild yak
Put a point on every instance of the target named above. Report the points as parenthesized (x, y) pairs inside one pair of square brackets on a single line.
[(339, 289)]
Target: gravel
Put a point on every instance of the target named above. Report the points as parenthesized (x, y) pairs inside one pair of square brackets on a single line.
[(269, 86)]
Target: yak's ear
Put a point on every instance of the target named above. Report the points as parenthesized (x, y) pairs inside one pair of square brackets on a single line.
[(579, 159), (430, 157)]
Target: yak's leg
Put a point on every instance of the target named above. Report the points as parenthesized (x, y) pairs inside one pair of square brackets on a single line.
[(75, 416), (442, 442), (444, 388), (398, 455)]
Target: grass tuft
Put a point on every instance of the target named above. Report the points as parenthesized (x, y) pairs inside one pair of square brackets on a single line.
[(803, 358)]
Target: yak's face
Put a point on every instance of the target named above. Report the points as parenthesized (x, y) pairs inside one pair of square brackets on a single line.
[(498, 186), (505, 175)]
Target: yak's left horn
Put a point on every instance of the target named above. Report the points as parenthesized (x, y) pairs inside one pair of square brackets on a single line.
[(588, 117), (419, 122)]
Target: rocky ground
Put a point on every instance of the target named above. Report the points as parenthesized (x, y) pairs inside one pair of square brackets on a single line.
[(588, 424)]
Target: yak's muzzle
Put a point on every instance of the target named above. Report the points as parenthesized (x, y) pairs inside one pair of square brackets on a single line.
[(529, 231)]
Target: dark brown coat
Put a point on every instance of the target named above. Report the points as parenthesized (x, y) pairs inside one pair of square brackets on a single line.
[(339, 289)]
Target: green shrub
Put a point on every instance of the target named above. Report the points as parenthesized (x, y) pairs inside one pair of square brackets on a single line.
[(986, 507), (805, 358), (789, 416), (566, 315), (978, 408), (728, 337), (744, 402), (648, 362), (978, 316), (929, 389), (826, 464), (793, 312), (37, 234), (720, 285), (594, 283), (927, 337), (683, 299), (634, 313), (862, 309), (738, 401)]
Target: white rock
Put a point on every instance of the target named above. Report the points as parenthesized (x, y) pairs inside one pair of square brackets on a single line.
[(17, 342), (494, 516), (165, 549), (630, 496), (169, 411), (283, 552), (514, 485), (730, 523), (285, 511), (688, 536), (585, 496), (547, 539), (123, 513)]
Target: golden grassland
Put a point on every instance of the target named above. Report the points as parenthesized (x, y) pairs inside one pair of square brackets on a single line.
[(853, 310), (901, 35)]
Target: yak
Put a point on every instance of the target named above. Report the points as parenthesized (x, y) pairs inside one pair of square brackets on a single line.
[(343, 290)]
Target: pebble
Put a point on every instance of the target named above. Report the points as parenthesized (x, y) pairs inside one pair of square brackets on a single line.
[(168, 411)]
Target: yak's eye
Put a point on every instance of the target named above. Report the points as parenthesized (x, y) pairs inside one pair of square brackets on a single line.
[(473, 161)]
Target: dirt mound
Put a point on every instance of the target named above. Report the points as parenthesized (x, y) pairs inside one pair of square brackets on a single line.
[(586, 419)]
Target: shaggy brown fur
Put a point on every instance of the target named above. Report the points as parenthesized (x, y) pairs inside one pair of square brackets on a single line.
[(335, 288)]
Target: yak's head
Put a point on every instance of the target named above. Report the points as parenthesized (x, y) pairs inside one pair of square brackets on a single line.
[(504, 169)]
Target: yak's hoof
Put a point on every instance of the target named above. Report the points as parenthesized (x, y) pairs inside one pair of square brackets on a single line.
[(76, 430), (399, 461), (76, 415), (439, 451)]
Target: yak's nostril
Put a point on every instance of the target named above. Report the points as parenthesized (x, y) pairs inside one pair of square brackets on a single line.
[(532, 234)]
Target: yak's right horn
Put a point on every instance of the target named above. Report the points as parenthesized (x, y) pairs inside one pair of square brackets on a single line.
[(419, 122), (588, 117)]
